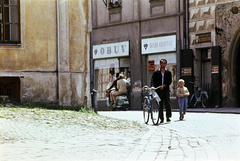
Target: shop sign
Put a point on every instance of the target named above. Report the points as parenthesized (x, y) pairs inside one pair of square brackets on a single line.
[(186, 71), (215, 69), (159, 44), (206, 37), (118, 49), (151, 65)]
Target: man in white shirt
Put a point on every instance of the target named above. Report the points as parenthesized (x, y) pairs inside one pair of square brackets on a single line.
[(122, 85)]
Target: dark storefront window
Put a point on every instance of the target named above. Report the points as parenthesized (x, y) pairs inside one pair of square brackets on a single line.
[(9, 21)]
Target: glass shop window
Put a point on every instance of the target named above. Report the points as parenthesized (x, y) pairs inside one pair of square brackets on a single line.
[(171, 65), (105, 73)]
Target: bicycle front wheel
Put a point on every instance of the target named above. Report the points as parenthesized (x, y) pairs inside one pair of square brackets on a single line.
[(155, 112), (145, 110), (204, 101)]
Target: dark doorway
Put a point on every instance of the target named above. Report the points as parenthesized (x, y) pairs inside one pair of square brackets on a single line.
[(238, 73), (206, 69), (10, 86)]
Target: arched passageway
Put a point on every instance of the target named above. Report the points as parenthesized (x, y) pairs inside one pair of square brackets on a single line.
[(237, 52)]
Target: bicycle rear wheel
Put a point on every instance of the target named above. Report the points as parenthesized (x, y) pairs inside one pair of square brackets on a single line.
[(204, 101), (155, 112), (145, 110)]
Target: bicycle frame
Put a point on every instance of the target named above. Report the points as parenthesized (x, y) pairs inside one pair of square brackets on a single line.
[(200, 95), (148, 105), (151, 96)]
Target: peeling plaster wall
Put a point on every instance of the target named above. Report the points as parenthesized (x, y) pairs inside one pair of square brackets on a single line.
[(53, 56)]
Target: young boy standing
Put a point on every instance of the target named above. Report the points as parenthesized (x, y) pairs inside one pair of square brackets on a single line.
[(182, 93)]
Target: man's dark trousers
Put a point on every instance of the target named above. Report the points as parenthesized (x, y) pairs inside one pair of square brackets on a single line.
[(165, 97)]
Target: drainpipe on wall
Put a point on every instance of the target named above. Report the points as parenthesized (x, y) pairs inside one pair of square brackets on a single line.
[(187, 22), (179, 43)]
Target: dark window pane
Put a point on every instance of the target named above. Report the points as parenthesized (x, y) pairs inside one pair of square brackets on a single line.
[(0, 14), (6, 1), (11, 14), (7, 32), (1, 32), (6, 14), (11, 32), (13, 2)]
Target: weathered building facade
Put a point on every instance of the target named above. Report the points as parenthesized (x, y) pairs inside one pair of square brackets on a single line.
[(44, 50), (215, 39), (133, 35)]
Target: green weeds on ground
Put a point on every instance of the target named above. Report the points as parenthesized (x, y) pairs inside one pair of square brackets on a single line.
[(62, 117)]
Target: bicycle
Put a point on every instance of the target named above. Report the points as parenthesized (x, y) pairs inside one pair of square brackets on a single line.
[(150, 105), (199, 96)]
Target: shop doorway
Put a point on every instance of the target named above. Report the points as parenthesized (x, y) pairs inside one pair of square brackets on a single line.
[(206, 69)]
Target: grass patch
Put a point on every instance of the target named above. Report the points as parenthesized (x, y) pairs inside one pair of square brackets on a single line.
[(43, 105)]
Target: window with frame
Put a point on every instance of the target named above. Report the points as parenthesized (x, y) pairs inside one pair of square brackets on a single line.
[(9, 21), (114, 3)]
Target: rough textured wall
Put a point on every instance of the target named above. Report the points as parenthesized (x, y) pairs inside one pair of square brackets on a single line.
[(39, 87), (53, 56), (228, 25), (75, 84), (38, 49), (78, 35)]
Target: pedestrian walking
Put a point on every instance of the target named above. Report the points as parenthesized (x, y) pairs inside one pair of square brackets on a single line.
[(163, 77), (182, 94)]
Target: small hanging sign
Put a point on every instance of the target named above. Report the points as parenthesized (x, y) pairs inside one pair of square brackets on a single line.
[(187, 71), (151, 65), (215, 69)]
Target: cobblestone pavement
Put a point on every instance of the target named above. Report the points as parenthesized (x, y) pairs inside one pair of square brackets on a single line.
[(65, 136), (49, 137), (199, 137)]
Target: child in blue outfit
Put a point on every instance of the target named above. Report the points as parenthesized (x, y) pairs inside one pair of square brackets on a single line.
[(182, 94)]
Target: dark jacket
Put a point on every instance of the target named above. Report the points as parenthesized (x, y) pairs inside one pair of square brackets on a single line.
[(114, 84), (157, 78)]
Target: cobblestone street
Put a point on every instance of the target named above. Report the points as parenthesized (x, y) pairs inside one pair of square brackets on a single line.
[(201, 136)]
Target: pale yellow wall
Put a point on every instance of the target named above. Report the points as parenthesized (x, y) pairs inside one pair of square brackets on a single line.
[(38, 49), (55, 36), (78, 42)]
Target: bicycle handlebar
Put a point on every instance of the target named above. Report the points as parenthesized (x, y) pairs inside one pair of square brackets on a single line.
[(150, 88), (191, 82)]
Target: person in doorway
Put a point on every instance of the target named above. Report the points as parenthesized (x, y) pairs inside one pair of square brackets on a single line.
[(114, 85), (129, 77), (122, 85), (163, 77), (182, 94), (129, 88)]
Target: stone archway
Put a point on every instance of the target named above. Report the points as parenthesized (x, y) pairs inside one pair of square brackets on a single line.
[(236, 67), (228, 37)]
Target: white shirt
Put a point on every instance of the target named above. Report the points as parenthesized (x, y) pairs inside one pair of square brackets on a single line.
[(129, 80), (162, 78)]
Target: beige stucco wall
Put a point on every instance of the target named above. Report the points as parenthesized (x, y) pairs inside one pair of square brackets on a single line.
[(54, 53)]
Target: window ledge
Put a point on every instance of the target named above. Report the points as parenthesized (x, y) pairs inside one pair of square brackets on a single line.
[(2, 44)]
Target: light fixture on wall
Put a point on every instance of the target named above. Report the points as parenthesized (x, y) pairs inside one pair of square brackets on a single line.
[(235, 10), (105, 2)]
